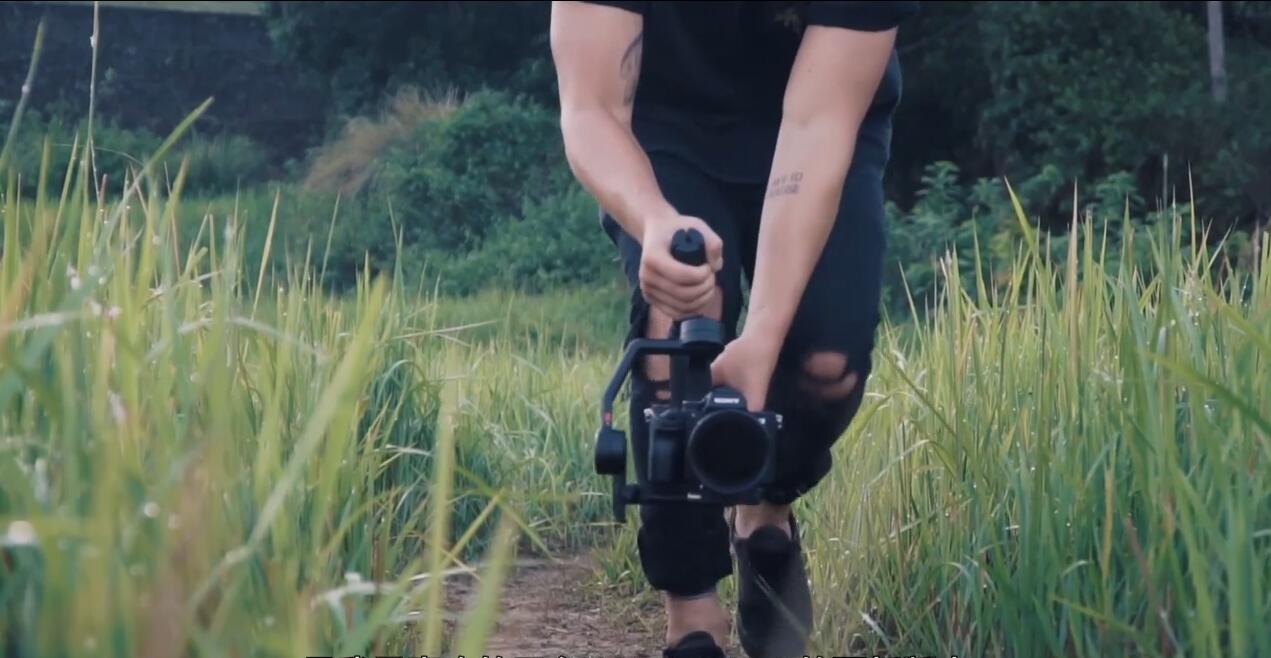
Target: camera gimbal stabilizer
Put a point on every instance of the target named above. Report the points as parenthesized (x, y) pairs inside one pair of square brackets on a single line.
[(704, 446)]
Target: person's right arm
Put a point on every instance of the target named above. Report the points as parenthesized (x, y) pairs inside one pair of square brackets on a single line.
[(597, 51)]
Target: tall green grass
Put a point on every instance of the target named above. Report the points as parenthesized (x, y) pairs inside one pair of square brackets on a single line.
[(204, 458), (201, 457), (1073, 465)]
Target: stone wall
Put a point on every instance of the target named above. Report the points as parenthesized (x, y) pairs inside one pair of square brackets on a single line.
[(155, 66)]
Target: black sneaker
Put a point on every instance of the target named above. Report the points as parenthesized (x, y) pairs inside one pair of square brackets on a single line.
[(698, 644), (774, 603)]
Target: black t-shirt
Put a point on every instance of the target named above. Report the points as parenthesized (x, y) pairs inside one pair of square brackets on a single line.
[(713, 76)]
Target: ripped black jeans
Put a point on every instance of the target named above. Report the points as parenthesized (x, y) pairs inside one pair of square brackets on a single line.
[(684, 549)]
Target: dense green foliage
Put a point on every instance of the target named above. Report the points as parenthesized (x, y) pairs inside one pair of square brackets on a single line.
[(362, 49), (557, 243), (455, 179), (218, 163), (1045, 93), (481, 195), (974, 226), (1078, 91)]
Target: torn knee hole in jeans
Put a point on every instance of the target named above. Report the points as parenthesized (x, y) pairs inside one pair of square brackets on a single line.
[(827, 375)]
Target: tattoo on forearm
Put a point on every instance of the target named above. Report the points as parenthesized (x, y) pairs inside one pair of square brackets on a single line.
[(785, 184), (629, 69)]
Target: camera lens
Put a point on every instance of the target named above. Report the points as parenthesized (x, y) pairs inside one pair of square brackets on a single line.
[(728, 450)]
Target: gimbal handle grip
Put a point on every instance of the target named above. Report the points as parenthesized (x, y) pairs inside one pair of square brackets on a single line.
[(689, 247)]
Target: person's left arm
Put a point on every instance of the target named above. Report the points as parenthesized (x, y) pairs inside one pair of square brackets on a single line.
[(831, 87)]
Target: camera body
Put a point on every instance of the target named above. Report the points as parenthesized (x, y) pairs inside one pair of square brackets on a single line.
[(704, 445), (715, 447)]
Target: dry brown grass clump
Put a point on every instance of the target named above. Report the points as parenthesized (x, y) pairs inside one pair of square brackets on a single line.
[(346, 164)]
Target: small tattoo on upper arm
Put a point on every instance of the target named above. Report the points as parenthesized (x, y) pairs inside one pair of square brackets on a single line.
[(629, 69), (785, 184)]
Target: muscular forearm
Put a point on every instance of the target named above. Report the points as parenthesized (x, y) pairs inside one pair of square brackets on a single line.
[(809, 167), (608, 161), (831, 86)]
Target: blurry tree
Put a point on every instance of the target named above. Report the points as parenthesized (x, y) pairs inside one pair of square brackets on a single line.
[(1077, 91), (364, 50)]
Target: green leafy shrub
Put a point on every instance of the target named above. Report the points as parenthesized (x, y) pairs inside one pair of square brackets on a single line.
[(118, 150), (557, 243), (954, 217), (459, 178), (461, 175), (217, 163), (223, 162)]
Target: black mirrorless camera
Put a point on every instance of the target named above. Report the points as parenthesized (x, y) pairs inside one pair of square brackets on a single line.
[(704, 446)]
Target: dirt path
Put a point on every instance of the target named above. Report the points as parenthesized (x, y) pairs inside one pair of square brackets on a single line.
[(550, 609)]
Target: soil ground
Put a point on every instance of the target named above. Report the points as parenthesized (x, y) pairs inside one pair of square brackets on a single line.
[(551, 608)]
